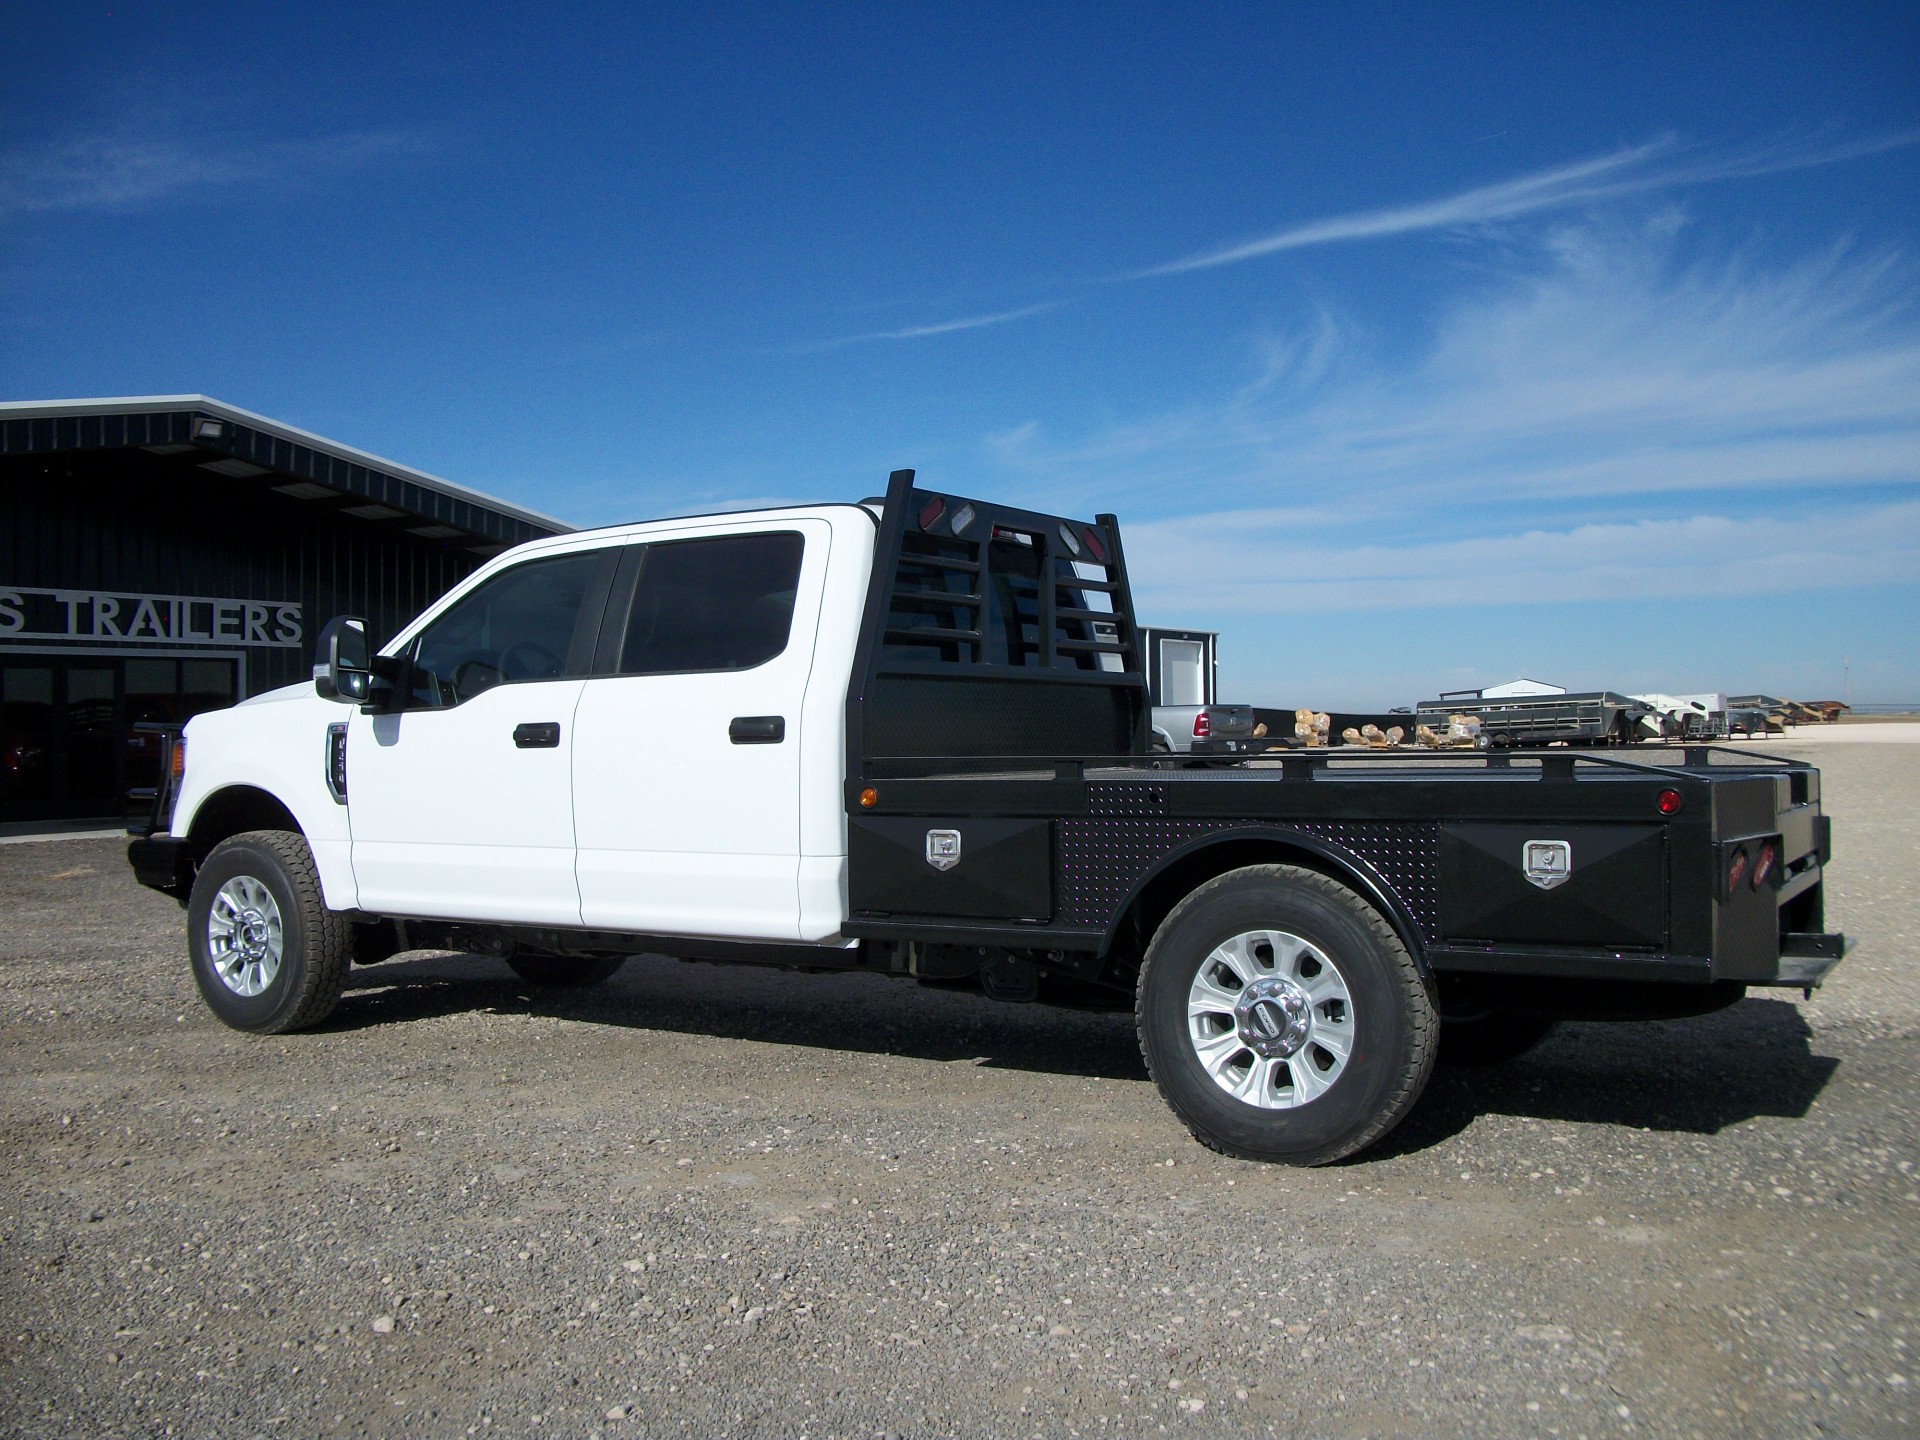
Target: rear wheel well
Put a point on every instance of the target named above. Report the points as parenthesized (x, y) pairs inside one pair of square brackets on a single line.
[(1156, 899), (232, 811)]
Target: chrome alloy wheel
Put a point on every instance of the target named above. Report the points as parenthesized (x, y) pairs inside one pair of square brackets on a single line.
[(245, 938), (1270, 1019)]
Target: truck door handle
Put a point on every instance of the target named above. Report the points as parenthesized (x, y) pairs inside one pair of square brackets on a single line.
[(757, 729), (537, 735)]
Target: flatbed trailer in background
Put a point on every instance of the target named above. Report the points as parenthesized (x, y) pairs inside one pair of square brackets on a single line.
[(1598, 717)]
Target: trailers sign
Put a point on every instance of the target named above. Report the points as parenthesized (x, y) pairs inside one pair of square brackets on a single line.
[(113, 615)]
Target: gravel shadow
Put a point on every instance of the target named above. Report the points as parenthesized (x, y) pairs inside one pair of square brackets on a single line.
[(863, 1014), (1694, 1076)]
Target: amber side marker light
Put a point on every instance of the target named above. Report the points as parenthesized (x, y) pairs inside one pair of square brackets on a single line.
[(869, 797), (179, 762), (1668, 802)]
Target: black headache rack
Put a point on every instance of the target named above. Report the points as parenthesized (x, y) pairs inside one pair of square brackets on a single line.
[(992, 632)]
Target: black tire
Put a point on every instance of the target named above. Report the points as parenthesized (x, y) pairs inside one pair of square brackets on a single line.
[(565, 972), (1395, 1027), (1491, 1037), (315, 944)]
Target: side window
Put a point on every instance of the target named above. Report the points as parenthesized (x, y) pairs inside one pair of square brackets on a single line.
[(719, 604), (518, 626)]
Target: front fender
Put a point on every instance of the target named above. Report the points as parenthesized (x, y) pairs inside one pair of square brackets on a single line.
[(276, 745)]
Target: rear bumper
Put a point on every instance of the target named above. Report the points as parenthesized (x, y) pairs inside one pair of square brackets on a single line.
[(1806, 960), (163, 863), (1214, 746)]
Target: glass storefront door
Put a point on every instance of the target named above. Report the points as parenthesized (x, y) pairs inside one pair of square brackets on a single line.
[(69, 749), (28, 756)]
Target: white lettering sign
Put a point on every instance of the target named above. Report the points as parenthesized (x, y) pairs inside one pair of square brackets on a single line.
[(101, 615)]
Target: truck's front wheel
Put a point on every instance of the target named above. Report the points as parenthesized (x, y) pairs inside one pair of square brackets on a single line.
[(268, 955), (1282, 1018)]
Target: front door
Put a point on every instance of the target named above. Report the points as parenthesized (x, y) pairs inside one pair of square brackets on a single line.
[(687, 760), (461, 800)]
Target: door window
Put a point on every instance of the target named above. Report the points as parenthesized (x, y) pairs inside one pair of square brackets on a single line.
[(724, 603), (1183, 672), (90, 739), (27, 754), (205, 685), (521, 625)]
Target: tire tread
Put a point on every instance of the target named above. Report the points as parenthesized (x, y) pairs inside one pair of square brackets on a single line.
[(328, 935), (1423, 1012)]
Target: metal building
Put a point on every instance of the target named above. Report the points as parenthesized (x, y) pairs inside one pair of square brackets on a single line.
[(172, 554)]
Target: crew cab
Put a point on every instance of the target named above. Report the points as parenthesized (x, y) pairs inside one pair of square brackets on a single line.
[(911, 736)]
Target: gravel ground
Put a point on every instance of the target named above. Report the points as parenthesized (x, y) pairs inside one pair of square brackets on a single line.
[(712, 1202)]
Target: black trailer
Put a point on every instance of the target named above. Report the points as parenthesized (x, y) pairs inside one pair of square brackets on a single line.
[(1596, 717)]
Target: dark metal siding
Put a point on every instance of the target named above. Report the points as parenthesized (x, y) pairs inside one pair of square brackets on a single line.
[(293, 460), (127, 520)]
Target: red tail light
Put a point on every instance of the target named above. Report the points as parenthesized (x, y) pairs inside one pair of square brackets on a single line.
[(1763, 864), (1202, 726), (1098, 550), (1667, 802), (1736, 870)]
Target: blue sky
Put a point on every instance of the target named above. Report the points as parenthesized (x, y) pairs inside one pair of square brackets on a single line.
[(1416, 348)]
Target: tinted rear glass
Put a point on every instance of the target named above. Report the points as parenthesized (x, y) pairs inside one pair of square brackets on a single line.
[(720, 604)]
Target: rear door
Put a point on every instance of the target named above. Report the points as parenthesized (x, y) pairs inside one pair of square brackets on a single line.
[(461, 802), (687, 776)]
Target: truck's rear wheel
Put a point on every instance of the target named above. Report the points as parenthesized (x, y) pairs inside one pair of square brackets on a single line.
[(1282, 1018), (565, 972), (268, 955)]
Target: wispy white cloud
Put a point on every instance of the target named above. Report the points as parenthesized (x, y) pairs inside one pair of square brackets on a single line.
[(1659, 164), (124, 172), (1605, 372), (1609, 420), (941, 327), (1245, 564)]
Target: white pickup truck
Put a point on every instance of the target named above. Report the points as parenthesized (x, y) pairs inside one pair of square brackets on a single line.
[(911, 737)]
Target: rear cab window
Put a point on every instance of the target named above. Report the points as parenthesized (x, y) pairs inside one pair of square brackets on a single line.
[(715, 604)]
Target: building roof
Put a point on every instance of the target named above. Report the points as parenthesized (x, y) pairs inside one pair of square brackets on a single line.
[(1522, 686), (239, 444)]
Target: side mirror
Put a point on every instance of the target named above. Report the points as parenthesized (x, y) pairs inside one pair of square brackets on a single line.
[(343, 662)]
